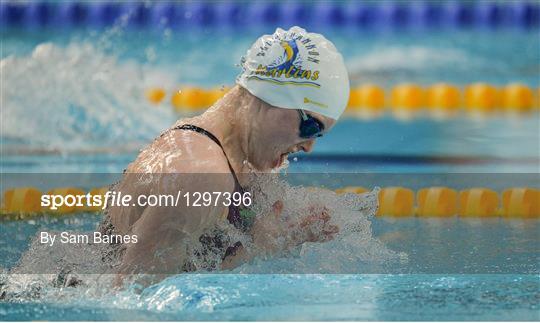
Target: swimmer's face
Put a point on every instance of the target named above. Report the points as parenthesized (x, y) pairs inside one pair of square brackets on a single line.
[(277, 134)]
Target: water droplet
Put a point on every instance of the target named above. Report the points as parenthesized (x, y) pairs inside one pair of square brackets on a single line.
[(295, 159)]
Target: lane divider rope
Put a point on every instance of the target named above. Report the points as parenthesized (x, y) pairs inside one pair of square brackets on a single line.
[(403, 100), (367, 15), (515, 202)]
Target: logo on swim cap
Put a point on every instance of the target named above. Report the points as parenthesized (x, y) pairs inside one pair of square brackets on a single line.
[(287, 68), (294, 69)]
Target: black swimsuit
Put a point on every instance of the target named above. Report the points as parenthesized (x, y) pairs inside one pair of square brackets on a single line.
[(235, 212), (234, 216), (212, 242)]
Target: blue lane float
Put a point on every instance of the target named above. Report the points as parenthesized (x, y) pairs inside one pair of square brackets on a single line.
[(104, 13), (138, 14), (295, 14), (163, 15), (427, 14), (459, 14), (267, 13), (489, 14), (12, 14), (199, 13), (525, 14), (395, 14), (230, 13), (329, 13), (72, 14), (38, 14), (362, 14)]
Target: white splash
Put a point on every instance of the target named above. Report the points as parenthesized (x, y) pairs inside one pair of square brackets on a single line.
[(406, 58), (78, 98)]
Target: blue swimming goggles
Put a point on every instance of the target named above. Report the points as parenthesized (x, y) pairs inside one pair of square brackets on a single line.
[(310, 127)]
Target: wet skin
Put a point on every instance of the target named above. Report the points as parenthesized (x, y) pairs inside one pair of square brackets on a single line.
[(249, 130)]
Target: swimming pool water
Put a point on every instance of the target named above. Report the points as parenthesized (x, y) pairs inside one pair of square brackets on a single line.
[(86, 105), (381, 145), (343, 297), (76, 114), (456, 269)]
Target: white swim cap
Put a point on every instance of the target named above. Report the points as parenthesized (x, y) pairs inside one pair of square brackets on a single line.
[(295, 69)]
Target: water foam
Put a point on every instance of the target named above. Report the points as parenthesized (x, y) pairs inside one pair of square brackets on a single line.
[(353, 246), (388, 64), (353, 250), (78, 98), (410, 57)]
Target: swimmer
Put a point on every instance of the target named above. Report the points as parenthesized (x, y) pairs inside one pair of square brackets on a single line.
[(292, 89)]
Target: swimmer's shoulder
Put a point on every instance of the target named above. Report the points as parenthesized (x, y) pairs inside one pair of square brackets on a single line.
[(194, 150), (189, 152), (185, 152)]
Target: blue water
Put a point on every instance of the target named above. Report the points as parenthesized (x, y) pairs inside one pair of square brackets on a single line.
[(208, 57), (345, 297), (67, 108), (457, 269)]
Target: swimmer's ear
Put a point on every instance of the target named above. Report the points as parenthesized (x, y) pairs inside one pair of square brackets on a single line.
[(277, 208)]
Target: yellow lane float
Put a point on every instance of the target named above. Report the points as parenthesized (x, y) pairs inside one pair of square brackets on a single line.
[(518, 202), (22, 200), (517, 98), (407, 97), (370, 100), (481, 97), (155, 95), (367, 97), (190, 99), (521, 202), (478, 202), (396, 201), (436, 201), (537, 99), (442, 96)]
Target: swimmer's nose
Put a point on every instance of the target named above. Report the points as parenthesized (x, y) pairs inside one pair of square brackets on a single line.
[(307, 146)]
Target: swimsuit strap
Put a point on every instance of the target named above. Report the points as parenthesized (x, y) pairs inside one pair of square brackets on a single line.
[(214, 138)]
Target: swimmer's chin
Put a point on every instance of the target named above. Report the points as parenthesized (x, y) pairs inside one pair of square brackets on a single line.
[(271, 166), (281, 163)]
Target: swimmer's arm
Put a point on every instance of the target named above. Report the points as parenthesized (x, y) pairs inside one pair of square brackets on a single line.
[(163, 240), (272, 234), (262, 234), (159, 248), (164, 233), (241, 256)]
